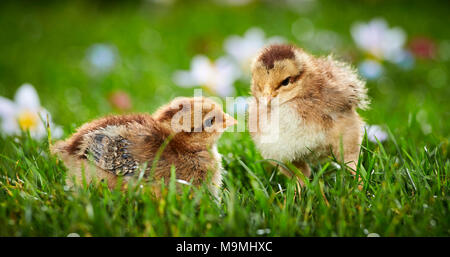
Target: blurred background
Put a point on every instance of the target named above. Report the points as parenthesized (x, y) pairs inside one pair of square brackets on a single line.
[(83, 59)]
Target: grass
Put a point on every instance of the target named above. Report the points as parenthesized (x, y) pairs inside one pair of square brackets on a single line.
[(406, 190)]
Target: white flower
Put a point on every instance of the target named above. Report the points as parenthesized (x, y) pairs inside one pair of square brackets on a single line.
[(217, 77), (377, 39), (101, 57), (370, 69), (375, 132), (244, 49), (26, 113)]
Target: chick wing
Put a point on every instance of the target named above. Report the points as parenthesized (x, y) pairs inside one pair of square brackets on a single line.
[(110, 152)]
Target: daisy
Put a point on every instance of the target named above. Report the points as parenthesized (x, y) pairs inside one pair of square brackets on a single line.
[(216, 77), (26, 114)]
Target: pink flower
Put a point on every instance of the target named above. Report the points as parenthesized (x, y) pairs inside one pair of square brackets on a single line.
[(422, 47), (120, 100)]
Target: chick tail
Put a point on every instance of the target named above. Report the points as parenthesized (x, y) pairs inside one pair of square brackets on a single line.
[(361, 94), (355, 86)]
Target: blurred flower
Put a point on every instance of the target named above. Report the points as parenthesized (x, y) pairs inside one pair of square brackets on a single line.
[(120, 100), (26, 114), (381, 43), (375, 132), (404, 59), (422, 47), (378, 40), (244, 49), (101, 57), (370, 69), (217, 77)]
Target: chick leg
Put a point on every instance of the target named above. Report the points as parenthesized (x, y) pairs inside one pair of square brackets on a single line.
[(304, 168), (351, 160), (347, 146)]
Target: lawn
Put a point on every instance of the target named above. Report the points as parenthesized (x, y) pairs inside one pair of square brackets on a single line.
[(406, 190)]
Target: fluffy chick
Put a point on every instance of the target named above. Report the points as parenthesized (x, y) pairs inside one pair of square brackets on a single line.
[(185, 130), (314, 101)]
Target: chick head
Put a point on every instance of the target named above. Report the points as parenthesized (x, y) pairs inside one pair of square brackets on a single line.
[(278, 72), (197, 119)]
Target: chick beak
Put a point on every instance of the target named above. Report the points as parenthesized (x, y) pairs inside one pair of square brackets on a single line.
[(229, 121), (265, 100), (267, 96)]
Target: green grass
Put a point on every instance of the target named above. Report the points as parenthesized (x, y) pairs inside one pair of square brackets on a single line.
[(406, 178)]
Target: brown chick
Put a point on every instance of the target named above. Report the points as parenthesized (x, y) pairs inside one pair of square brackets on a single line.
[(184, 131), (312, 106)]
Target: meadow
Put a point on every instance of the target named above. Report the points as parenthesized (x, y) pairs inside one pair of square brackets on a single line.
[(49, 45)]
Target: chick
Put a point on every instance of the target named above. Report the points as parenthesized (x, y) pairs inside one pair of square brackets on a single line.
[(312, 106), (183, 133)]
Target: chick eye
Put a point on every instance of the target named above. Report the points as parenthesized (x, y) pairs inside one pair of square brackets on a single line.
[(209, 122), (286, 81)]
